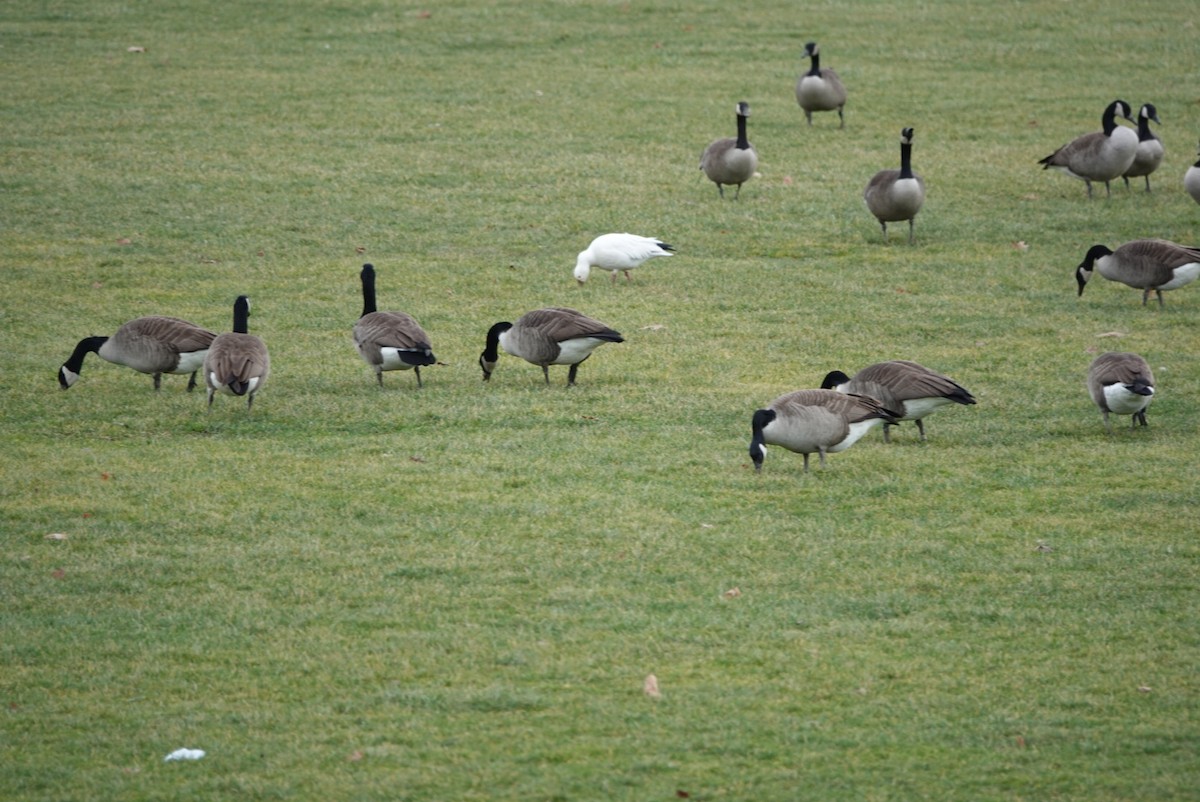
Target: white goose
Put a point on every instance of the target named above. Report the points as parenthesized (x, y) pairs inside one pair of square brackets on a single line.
[(618, 253)]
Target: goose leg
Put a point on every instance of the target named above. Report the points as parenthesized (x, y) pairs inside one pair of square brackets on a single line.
[(192, 382), (841, 118), (885, 234), (911, 222), (887, 427), (417, 371), (921, 429), (546, 373), (157, 380)]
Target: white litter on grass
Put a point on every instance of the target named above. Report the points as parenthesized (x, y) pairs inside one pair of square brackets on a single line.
[(184, 754)]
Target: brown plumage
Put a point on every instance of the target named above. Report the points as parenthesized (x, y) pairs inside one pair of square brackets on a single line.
[(154, 344), (389, 340), (237, 362), (910, 388), (555, 335), (895, 195), (731, 161), (820, 89), (1150, 265), (814, 421), (1150, 151), (1123, 384), (1100, 155)]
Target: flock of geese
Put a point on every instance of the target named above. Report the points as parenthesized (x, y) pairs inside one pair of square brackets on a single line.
[(825, 420)]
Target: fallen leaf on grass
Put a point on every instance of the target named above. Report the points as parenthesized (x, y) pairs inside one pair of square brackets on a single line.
[(355, 756), (416, 459), (58, 573), (124, 241), (654, 327), (1043, 547), (56, 536), (1021, 245), (135, 49), (359, 249), (650, 687), (1143, 689), (732, 593), (1111, 334)]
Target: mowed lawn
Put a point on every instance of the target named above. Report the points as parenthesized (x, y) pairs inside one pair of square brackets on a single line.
[(460, 592)]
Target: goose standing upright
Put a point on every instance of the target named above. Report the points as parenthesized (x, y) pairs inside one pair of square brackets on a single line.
[(1149, 153), (1191, 180), (820, 89), (389, 340), (814, 421), (895, 195), (731, 161), (556, 335), (1122, 384), (618, 253), (1100, 155), (1144, 264), (907, 387), (238, 362), (154, 344)]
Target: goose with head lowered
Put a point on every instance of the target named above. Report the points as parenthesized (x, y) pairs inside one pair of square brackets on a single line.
[(237, 363), (1100, 155), (896, 195), (154, 344), (911, 389), (1122, 384), (820, 89), (731, 161), (1150, 265), (389, 340), (814, 421), (1191, 181), (556, 335), (1149, 153), (618, 253)]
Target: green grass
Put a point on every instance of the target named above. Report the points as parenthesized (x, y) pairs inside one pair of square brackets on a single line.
[(456, 593)]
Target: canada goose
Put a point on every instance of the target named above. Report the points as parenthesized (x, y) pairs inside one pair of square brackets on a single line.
[(555, 335), (1098, 156), (618, 253), (237, 363), (807, 421), (389, 340), (153, 344), (1121, 384), (907, 387), (894, 195), (820, 89), (1149, 153), (1191, 181), (1145, 264), (731, 161)]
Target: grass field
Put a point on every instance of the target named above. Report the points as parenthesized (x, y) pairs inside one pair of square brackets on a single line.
[(456, 593)]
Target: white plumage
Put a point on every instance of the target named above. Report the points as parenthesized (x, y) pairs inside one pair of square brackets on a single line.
[(618, 253)]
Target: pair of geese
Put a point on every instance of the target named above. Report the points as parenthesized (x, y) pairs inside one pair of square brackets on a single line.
[(836, 416), (234, 363), (891, 195)]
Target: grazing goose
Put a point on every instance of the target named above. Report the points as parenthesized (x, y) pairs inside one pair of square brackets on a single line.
[(731, 161), (618, 253), (895, 195), (909, 388), (389, 340), (1191, 181), (555, 335), (154, 345), (1100, 155), (1145, 264), (1121, 384), (820, 89), (1149, 153), (807, 421), (237, 363)]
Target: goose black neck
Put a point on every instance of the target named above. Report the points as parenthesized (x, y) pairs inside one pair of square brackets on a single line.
[(88, 345), (742, 142), (241, 315), (1109, 120), (1144, 129), (815, 69), (490, 349), (906, 160), (368, 289)]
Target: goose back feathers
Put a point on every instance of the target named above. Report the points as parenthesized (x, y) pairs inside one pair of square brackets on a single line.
[(237, 363), (555, 335), (814, 421), (389, 340), (154, 345), (1150, 265), (1122, 384), (731, 161), (1101, 155), (910, 388)]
